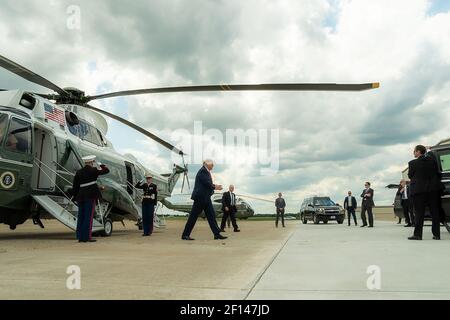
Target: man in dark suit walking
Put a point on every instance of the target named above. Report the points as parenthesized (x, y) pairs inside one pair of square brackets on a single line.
[(425, 191), (203, 190), (367, 205), (350, 205), (229, 209), (404, 191)]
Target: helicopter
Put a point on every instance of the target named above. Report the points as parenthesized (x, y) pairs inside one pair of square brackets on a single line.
[(244, 209), (43, 138)]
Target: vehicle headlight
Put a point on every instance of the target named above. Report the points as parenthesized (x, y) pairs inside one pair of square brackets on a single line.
[(320, 210)]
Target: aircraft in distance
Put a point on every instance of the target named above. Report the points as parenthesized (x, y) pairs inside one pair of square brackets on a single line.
[(44, 136), (244, 209)]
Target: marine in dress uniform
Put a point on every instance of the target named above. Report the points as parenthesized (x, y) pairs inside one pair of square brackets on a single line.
[(149, 201), (86, 192)]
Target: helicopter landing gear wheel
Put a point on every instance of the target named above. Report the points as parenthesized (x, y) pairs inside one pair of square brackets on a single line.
[(108, 228)]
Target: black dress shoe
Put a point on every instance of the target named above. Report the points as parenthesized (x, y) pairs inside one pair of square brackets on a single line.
[(364, 225), (237, 230), (222, 230), (415, 238), (436, 238), (219, 237), (370, 226), (187, 238), (146, 235), (91, 240), (409, 225)]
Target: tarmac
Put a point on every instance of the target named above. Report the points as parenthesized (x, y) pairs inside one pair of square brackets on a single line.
[(262, 262)]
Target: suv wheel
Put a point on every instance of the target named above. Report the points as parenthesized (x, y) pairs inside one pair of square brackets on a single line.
[(304, 220), (316, 219)]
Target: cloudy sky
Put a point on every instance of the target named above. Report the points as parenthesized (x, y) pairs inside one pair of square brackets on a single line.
[(329, 142)]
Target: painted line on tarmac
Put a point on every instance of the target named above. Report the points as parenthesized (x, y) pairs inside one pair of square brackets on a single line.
[(269, 264)]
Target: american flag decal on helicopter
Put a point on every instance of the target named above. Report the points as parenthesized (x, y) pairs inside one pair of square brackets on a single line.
[(54, 114)]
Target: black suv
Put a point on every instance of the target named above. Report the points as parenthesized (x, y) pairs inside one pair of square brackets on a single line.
[(319, 209)]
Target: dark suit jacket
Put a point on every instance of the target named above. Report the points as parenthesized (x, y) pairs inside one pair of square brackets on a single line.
[(204, 187), (226, 202), (425, 175), (353, 205), (368, 201), (280, 203)]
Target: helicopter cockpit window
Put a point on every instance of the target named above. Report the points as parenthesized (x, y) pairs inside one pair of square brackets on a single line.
[(19, 136), (86, 132)]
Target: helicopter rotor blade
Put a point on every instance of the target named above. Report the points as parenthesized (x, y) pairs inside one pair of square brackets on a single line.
[(255, 198), (137, 128), (244, 87), (29, 75)]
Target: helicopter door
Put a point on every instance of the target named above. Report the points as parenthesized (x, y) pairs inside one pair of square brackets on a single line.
[(44, 174), (131, 174)]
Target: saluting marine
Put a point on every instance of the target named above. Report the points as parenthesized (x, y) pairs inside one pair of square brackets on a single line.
[(86, 193), (149, 201)]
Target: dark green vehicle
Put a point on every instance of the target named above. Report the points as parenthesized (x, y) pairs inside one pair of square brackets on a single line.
[(317, 209)]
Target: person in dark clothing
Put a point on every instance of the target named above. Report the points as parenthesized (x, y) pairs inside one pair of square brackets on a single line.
[(404, 191), (426, 188), (149, 201), (203, 190), (280, 205), (229, 209), (367, 205), (86, 192), (350, 205)]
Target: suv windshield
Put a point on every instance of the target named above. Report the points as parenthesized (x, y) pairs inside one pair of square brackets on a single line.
[(323, 202)]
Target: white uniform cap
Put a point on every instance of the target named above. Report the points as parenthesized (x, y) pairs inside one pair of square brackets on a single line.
[(89, 158), (149, 175)]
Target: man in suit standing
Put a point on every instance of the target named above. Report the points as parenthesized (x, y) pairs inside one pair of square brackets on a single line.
[(229, 209), (280, 204), (203, 190), (367, 205), (404, 191), (350, 205), (425, 191)]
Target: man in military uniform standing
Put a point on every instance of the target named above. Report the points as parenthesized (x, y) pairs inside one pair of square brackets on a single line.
[(149, 201), (86, 192)]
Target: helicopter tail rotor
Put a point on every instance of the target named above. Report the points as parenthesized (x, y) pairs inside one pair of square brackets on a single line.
[(185, 175)]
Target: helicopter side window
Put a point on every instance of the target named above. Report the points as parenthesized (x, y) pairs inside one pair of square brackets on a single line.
[(3, 126), (19, 136)]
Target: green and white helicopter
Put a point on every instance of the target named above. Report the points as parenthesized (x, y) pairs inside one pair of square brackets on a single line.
[(44, 136)]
